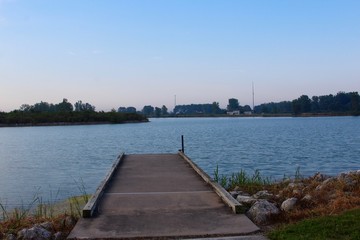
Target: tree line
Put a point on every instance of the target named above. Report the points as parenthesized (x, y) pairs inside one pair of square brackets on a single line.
[(64, 113), (346, 103), (341, 103)]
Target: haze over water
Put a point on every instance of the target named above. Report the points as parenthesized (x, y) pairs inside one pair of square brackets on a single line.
[(54, 162)]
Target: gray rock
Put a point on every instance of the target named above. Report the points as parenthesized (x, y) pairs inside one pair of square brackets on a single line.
[(34, 233), (47, 225), (307, 198), (295, 185), (246, 200), (234, 194), (262, 211), (289, 204), (58, 236), (26, 234), (10, 237), (319, 177), (350, 181), (297, 192), (325, 183), (263, 195)]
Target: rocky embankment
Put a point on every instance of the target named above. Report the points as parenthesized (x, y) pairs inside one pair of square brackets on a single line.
[(292, 200), (47, 230)]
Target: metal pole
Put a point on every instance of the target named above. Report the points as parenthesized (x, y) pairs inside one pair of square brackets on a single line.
[(182, 144)]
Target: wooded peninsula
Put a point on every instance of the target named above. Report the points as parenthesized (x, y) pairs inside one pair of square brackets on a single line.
[(64, 113)]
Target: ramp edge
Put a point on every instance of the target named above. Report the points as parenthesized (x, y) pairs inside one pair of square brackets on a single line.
[(91, 205), (219, 190)]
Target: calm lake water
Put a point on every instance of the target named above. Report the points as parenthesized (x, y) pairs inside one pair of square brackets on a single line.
[(57, 162)]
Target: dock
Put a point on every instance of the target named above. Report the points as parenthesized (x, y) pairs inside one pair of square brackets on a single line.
[(160, 196)]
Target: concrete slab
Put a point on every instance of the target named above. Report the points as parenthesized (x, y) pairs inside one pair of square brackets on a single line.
[(160, 196)]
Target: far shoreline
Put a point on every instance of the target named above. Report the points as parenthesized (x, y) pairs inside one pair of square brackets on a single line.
[(256, 115), (68, 124)]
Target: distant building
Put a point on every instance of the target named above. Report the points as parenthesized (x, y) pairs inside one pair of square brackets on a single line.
[(233, 113)]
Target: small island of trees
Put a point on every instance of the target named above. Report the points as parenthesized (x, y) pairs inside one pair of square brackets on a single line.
[(64, 113)]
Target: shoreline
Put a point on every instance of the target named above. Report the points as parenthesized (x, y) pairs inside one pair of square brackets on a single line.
[(260, 115), (66, 124)]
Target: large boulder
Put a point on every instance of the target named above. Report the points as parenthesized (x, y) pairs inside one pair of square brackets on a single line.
[(246, 200), (289, 204), (263, 195), (10, 237), (34, 233), (262, 211)]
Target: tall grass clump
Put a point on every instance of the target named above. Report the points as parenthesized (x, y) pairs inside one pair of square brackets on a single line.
[(249, 183)]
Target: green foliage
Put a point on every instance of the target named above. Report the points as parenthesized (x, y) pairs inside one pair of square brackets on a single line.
[(207, 108), (44, 113), (83, 107), (343, 226), (250, 183), (37, 118), (148, 110), (340, 103), (164, 110)]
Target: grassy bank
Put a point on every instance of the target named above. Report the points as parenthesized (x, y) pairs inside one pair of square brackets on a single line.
[(340, 226), (62, 215)]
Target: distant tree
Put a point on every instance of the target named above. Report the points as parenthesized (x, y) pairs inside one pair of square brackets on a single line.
[(131, 110), (64, 106), (122, 109), (80, 107), (301, 105), (215, 108), (148, 110), (315, 104), (192, 109), (245, 108), (274, 108), (127, 110), (42, 107), (326, 103), (355, 103), (164, 110), (157, 112), (342, 102), (25, 108), (233, 105)]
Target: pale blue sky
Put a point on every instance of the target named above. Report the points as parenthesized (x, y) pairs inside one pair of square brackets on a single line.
[(135, 53)]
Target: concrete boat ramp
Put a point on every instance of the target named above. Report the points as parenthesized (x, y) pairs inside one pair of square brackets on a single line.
[(161, 196)]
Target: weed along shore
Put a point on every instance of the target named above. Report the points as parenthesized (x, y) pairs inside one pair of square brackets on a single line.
[(316, 207), (40, 220)]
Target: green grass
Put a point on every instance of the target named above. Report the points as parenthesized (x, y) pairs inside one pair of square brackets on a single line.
[(343, 226), (248, 183)]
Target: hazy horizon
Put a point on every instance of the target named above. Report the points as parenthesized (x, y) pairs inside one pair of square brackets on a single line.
[(136, 53)]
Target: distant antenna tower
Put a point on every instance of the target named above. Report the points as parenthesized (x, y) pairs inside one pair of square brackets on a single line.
[(253, 97)]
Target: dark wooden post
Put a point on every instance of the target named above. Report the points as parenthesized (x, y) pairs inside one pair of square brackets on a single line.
[(182, 144)]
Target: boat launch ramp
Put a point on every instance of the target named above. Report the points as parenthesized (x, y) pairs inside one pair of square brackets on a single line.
[(160, 196)]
